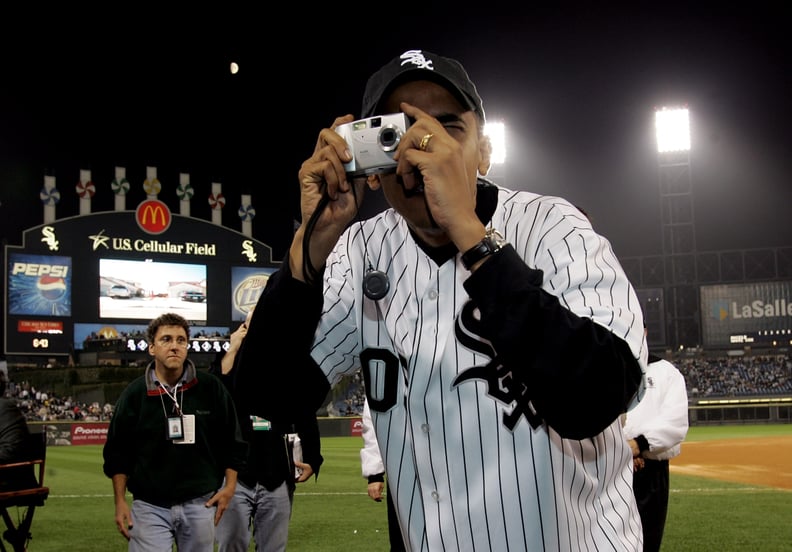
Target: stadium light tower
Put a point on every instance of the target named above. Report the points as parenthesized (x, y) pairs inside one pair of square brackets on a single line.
[(496, 130), (672, 126), (673, 129)]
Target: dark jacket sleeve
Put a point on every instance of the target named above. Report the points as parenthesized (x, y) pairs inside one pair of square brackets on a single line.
[(578, 375), (215, 367), (307, 427), (308, 430), (236, 447), (290, 384)]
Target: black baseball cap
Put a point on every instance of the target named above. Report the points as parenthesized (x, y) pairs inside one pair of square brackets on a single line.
[(418, 65)]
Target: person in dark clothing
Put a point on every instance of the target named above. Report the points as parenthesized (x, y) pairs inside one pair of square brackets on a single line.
[(13, 436), (264, 494), (175, 443)]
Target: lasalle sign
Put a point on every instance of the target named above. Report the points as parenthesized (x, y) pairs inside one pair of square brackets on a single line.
[(745, 314)]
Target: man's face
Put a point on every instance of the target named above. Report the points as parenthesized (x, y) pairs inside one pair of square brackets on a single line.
[(170, 347), (461, 124)]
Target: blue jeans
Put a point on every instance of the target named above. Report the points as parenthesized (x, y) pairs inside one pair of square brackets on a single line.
[(268, 512), (189, 524)]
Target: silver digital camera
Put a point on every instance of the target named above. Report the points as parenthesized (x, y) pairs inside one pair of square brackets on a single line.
[(373, 142)]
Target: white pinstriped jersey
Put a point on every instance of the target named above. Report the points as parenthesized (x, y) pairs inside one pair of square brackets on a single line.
[(462, 478)]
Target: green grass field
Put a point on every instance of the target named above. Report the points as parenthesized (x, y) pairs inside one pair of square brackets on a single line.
[(335, 513)]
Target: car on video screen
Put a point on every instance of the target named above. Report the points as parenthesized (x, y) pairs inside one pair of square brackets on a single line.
[(119, 292), (193, 296)]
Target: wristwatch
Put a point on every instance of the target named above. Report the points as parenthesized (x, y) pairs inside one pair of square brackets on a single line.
[(492, 242)]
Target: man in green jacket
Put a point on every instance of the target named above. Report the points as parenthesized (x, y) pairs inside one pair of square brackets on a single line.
[(175, 443)]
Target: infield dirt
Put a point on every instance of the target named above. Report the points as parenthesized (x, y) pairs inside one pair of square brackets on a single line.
[(755, 461)]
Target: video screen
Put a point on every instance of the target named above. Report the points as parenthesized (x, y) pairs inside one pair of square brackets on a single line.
[(110, 337), (39, 285), (142, 290), (90, 337)]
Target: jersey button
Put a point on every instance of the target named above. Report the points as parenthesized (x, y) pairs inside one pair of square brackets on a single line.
[(433, 295), (436, 496), (425, 428)]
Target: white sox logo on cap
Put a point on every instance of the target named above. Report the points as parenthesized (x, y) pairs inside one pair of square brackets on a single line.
[(417, 58), (418, 65)]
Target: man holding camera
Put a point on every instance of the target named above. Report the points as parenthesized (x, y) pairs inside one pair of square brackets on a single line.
[(483, 320)]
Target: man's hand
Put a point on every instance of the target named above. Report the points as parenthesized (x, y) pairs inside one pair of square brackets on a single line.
[(449, 182), (375, 490), (638, 461), (324, 185), (305, 474), (123, 518), (222, 498)]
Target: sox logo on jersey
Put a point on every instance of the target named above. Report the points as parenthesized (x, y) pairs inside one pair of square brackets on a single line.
[(501, 384)]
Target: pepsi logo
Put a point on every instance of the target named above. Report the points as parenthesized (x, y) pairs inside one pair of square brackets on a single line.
[(51, 288)]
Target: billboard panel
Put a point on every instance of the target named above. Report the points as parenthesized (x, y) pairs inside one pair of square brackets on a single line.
[(745, 314), (247, 284), (39, 285)]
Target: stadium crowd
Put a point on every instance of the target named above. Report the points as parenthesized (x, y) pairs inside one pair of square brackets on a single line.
[(40, 406), (738, 376)]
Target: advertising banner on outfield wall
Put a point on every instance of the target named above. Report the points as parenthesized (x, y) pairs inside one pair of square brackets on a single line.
[(89, 434), (746, 314)]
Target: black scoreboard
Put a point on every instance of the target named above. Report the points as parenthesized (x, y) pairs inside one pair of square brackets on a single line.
[(93, 282)]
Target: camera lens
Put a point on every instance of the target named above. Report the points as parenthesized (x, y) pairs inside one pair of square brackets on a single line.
[(389, 138)]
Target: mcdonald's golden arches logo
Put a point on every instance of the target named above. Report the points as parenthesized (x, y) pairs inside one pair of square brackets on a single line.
[(153, 216)]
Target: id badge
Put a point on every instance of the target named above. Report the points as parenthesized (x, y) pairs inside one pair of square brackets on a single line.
[(260, 424), (188, 425), (175, 428)]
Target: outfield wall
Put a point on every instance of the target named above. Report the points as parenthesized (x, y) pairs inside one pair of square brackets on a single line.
[(65, 433), (757, 410), (745, 410)]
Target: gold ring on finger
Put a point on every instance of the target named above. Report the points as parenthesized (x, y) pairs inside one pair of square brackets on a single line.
[(425, 142)]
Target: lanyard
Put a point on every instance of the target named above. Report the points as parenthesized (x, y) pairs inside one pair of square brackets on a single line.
[(176, 407)]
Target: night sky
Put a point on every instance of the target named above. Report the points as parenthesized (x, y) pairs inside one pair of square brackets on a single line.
[(576, 89)]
